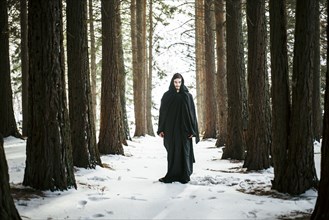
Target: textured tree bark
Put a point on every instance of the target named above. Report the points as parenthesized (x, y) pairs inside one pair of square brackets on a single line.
[(257, 142), (122, 79), (7, 205), (82, 122), (139, 76), (200, 63), (8, 123), (110, 134), (210, 100), (149, 123), (300, 171), (25, 65), (93, 67), (234, 148), (316, 102), (280, 90), (221, 73), (49, 163)]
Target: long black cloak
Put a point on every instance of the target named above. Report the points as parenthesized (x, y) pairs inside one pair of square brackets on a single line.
[(177, 120)]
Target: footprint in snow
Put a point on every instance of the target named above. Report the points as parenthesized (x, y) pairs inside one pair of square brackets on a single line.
[(260, 202), (99, 215), (252, 214), (82, 204), (98, 198)]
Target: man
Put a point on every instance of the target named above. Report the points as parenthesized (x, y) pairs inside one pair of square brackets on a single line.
[(177, 125)]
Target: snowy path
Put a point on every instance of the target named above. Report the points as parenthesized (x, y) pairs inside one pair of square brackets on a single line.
[(128, 188)]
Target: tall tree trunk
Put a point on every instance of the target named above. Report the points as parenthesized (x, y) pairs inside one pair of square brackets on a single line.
[(221, 73), (139, 81), (200, 62), (280, 90), (49, 163), (149, 125), (145, 70), (257, 142), (7, 205), (133, 34), (210, 101), (93, 67), (25, 64), (300, 170), (110, 134), (321, 210), (316, 103), (83, 134), (8, 123), (234, 148), (122, 79)]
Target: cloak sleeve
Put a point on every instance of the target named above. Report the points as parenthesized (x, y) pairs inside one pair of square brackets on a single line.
[(162, 114), (193, 118)]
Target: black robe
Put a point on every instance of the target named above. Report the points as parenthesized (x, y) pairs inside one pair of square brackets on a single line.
[(177, 120)]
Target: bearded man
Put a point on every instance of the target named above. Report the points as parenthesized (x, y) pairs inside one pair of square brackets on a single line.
[(177, 125)]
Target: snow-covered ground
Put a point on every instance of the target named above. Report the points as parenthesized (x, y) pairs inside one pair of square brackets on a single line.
[(128, 188)]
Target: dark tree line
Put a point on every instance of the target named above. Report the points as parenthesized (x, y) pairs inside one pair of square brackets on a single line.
[(279, 132), (262, 133)]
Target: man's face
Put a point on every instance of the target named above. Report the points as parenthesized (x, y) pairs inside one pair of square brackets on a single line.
[(177, 83)]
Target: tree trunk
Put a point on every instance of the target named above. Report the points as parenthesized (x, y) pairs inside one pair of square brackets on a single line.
[(49, 163), (83, 134), (257, 142), (321, 210), (234, 148), (150, 130), (316, 103), (8, 123), (300, 170), (133, 34), (110, 134), (200, 62), (280, 90), (210, 100), (139, 76), (25, 64), (93, 67), (7, 205), (122, 79), (221, 73)]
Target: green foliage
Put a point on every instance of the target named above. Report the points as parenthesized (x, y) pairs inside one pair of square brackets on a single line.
[(14, 45)]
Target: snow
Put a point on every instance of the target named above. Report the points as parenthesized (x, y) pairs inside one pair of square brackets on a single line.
[(128, 188)]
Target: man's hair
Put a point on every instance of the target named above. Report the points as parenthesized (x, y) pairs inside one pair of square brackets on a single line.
[(177, 76)]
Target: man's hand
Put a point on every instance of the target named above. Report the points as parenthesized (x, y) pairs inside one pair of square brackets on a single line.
[(190, 136), (161, 134)]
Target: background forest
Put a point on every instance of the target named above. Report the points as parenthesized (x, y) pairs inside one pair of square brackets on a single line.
[(81, 78)]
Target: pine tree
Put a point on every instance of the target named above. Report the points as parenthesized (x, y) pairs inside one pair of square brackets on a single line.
[(82, 122), (49, 163), (234, 148), (110, 134), (257, 142)]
